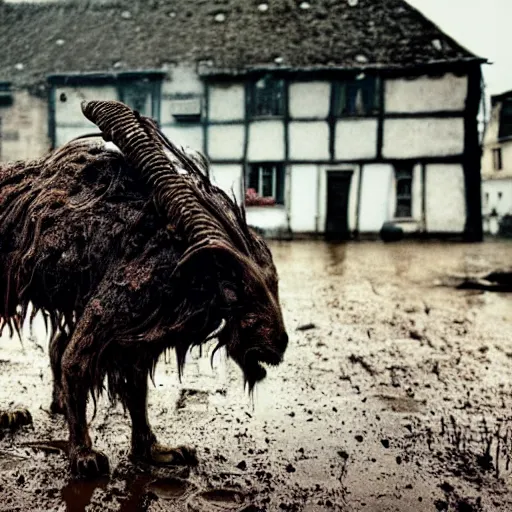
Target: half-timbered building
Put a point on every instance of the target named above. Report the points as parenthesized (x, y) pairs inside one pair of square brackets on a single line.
[(324, 116)]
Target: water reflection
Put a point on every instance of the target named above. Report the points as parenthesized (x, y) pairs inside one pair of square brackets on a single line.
[(336, 258), (78, 493), (418, 261), (139, 491)]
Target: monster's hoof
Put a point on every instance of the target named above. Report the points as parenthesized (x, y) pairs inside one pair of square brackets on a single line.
[(15, 419), (166, 456), (89, 464)]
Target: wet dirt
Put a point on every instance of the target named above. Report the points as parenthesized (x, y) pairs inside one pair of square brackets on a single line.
[(395, 395)]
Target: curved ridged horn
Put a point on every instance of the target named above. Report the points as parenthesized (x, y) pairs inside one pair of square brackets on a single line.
[(176, 194)]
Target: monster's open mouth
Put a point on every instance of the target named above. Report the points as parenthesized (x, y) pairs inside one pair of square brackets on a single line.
[(253, 365)]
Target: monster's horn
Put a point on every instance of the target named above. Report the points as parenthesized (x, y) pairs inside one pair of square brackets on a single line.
[(187, 207)]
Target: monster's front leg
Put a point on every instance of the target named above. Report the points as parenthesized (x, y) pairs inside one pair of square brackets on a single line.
[(58, 345), (145, 447), (76, 384)]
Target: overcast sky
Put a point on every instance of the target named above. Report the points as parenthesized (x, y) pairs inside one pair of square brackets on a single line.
[(483, 27)]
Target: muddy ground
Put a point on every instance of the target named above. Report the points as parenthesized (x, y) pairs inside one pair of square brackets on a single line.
[(396, 397)]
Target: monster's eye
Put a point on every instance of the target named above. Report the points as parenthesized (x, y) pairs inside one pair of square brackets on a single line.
[(249, 322)]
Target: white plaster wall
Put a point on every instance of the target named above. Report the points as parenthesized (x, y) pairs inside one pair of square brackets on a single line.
[(412, 138), (506, 160), (191, 136), (226, 102), (66, 133), (426, 94), (356, 138), (271, 218), (266, 141), (493, 126), (167, 109), (228, 178), (303, 203), (24, 127), (376, 192), (309, 140), (445, 197), (506, 157), (487, 161), (491, 200), (226, 141), (309, 99), (183, 79), (69, 112), (322, 194), (491, 141)]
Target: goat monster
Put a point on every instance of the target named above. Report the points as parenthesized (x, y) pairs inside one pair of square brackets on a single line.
[(129, 251)]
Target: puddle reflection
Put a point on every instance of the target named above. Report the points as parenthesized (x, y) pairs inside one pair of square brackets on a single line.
[(138, 493)]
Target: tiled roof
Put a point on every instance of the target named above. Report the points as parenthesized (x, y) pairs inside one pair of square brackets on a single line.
[(103, 35)]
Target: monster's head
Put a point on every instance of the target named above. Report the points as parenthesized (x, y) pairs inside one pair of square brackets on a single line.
[(255, 332)]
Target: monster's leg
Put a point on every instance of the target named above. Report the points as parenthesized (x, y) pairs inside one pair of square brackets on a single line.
[(16, 418), (144, 445), (77, 362), (58, 345)]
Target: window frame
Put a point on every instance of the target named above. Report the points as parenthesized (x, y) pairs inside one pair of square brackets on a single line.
[(278, 174), (505, 126), (341, 88), (497, 159), (404, 168), (148, 86), (275, 83), (6, 94)]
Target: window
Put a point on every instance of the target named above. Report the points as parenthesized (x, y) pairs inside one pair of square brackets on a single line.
[(6, 96), (267, 97), (356, 97), (506, 119), (139, 95), (265, 184), (403, 177), (496, 159)]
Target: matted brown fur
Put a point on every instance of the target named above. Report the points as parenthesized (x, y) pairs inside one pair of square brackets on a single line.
[(83, 242)]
